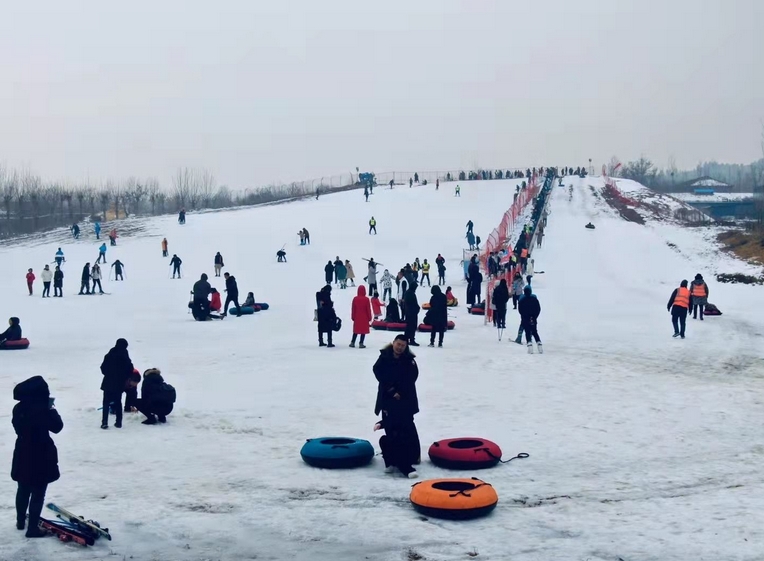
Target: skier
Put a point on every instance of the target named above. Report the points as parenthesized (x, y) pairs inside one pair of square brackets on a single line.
[(113, 236), (97, 228), (215, 303), (426, 273), (469, 226), (47, 276), (412, 315), (530, 309), (116, 369), (85, 280), (678, 305), (373, 226), (164, 247), (366, 193), (200, 307), (75, 231), (35, 458), (232, 294), (342, 273), (58, 283), (30, 280), (437, 316), (218, 263), (325, 315), (329, 272), (372, 277), (499, 299), (361, 315), (101, 253), (397, 372), (350, 272), (337, 263), (376, 305), (157, 397), (59, 257), (387, 286), (13, 333), (518, 284), (175, 263), (118, 266), (458, 192), (182, 216), (699, 293), (95, 275), (281, 255)]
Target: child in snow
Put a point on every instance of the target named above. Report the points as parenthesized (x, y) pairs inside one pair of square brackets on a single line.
[(250, 300), (376, 305), (30, 280), (215, 303), (450, 298)]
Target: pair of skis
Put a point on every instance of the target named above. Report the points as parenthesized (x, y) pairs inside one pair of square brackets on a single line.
[(70, 527)]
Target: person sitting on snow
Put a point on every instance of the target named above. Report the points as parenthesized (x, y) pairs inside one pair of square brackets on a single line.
[(450, 298), (13, 333), (250, 300), (393, 314)]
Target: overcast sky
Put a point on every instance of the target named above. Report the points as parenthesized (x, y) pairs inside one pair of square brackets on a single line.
[(261, 91)]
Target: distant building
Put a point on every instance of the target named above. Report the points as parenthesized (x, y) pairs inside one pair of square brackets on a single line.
[(703, 191), (704, 186)]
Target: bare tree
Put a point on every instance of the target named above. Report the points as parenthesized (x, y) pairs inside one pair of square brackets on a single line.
[(117, 194), (181, 185), (152, 192), (105, 197), (642, 171), (32, 184), (206, 182), (614, 167), (9, 187)]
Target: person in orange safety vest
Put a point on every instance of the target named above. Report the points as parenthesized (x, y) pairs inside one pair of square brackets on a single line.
[(679, 305)]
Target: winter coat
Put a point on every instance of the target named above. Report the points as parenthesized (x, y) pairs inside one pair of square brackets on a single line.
[(116, 369), (386, 280), (202, 289), (372, 274), (396, 376), (96, 273), (392, 313), (30, 278), (58, 278), (158, 396), (517, 286), (403, 288), (529, 268), (117, 266), (219, 260), (501, 296), (360, 312), (325, 311), (231, 287), (102, 249), (13, 333), (46, 275), (411, 307), (350, 272), (35, 458), (376, 306), (85, 273), (529, 308), (438, 314), (176, 261), (215, 303), (341, 271), (329, 270)]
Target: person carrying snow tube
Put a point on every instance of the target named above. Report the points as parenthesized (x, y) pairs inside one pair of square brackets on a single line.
[(13, 333), (35, 457), (157, 397), (679, 305), (200, 307), (396, 372), (699, 293), (325, 315)]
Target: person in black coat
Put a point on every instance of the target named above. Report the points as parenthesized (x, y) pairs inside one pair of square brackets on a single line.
[(530, 309), (397, 372), (175, 262), (218, 263), (500, 299), (392, 313), (232, 295), (13, 333), (157, 397), (58, 283), (116, 369), (85, 284), (412, 315), (437, 315), (201, 305), (325, 315), (329, 272), (35, 458)]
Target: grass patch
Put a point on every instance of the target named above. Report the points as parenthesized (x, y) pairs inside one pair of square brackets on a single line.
[(746, 245)]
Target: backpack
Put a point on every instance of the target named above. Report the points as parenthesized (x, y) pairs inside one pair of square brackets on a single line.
[(168, 393)]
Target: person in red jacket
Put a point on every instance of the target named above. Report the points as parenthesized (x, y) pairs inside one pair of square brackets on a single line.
[(376, 305), (360, 313), (215, 303), (30, 280)]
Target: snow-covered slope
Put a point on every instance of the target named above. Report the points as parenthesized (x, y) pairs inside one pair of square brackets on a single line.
[(641, 446)]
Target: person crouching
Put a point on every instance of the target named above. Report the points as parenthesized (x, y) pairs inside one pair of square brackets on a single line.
[(157, 397)]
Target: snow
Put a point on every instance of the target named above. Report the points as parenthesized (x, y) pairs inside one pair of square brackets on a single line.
[(709, 183), (641, 446)]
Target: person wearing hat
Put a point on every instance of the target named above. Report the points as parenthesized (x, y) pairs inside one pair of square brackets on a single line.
[(396, 371), (116, 369), (678, 305), (699, 294)]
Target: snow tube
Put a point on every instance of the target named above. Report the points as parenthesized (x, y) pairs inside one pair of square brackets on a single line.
[(475, 311), (424, 328), (589, 226), (711, 310), (452, 303), (426, 306), (454, 499), (465, 453), (337, 452), (396, 327), (245, 310), (15, 345), (379, 325), (261, 306)]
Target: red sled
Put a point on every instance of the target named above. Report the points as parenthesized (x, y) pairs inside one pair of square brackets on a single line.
[(15, 345)]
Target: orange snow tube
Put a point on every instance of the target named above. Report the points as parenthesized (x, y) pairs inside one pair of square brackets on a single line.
[(454, 499)]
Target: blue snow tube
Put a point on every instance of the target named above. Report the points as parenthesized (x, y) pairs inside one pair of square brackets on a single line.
[(337, 452), (245, 311), (261, 305)]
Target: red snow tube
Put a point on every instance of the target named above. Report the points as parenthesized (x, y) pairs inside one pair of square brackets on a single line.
[(424, 328), (450, 325), (475, 311), (15, 345), (396, 327), (379, 325), (465, 453)]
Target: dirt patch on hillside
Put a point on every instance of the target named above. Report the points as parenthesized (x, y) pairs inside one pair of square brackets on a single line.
[(620, 204), (746, 245)]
